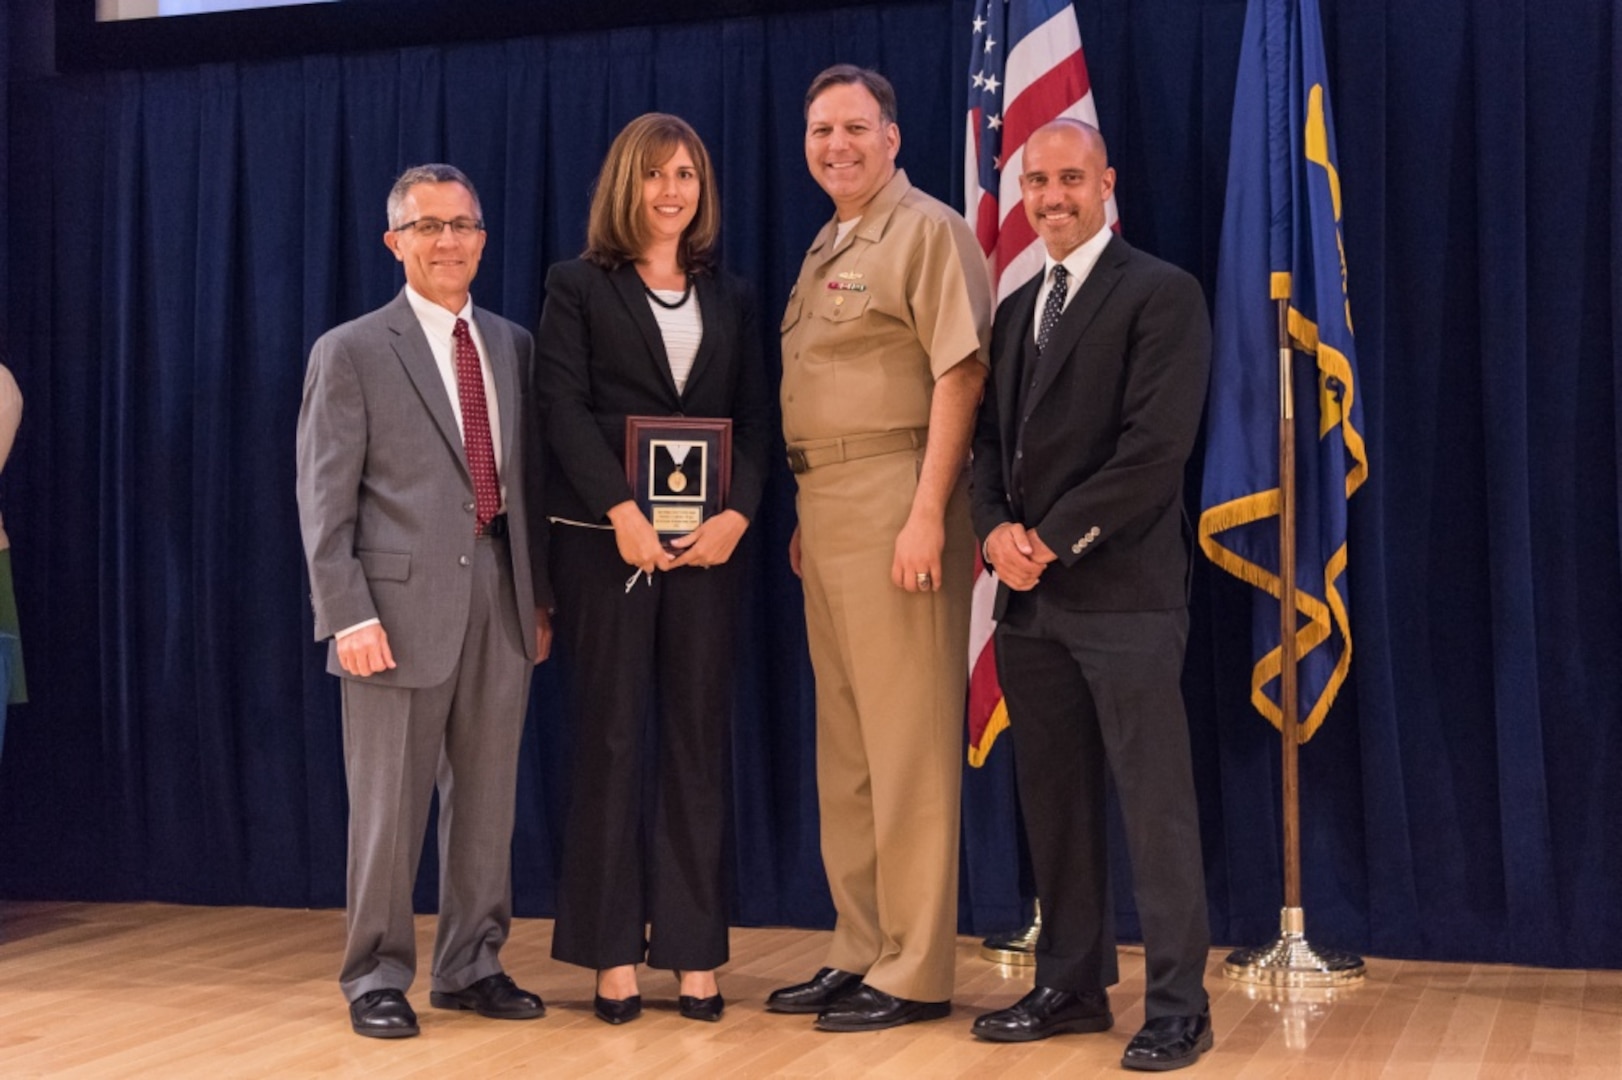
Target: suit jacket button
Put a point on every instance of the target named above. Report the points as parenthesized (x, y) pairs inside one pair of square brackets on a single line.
[(469, 507), (462, 560)]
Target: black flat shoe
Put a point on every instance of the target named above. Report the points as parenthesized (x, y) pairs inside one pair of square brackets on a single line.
[(1169, 1042), (1046, 1011), (495, 996), (611, 1011), (824, 989), (701, 1008), (870, 1009), (383, 1014)]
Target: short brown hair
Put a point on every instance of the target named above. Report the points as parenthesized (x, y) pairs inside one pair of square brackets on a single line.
[(850, 74), (617, 231)]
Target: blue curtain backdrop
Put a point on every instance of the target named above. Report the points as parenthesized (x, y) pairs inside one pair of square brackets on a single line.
[(177, 239)]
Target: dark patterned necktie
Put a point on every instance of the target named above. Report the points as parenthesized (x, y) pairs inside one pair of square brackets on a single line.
[(1054, 306), (481, 453)]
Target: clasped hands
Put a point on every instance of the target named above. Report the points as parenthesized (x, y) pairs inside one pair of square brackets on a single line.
[(711, 544), (1017, 555)]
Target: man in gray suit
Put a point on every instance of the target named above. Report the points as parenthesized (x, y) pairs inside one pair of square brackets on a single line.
[(415, 466)]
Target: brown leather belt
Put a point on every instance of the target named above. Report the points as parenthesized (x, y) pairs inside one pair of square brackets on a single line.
[(854, 448)]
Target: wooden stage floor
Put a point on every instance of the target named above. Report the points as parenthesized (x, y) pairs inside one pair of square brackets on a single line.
[(154, 990)]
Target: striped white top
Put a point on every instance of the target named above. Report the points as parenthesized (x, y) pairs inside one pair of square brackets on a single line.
[(682, 328)]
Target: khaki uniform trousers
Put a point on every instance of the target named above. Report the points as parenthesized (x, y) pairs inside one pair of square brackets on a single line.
[(891, 668)]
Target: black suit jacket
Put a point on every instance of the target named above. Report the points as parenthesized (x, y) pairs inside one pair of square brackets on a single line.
[(602, 358), (1096, 465)]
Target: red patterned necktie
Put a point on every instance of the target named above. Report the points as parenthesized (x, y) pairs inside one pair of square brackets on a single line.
[(481, 454)]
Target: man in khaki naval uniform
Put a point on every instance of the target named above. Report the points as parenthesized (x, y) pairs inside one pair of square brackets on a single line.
[(884, 345)]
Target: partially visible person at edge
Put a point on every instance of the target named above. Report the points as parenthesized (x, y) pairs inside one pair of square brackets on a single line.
[(1099, 380), (645, 324), (417, 471), (884, 355), (13, 687)]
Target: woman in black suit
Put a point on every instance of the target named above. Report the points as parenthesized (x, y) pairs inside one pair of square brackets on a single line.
[(642, 324)]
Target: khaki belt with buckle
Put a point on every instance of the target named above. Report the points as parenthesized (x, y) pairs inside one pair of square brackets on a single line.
[(854, 448)]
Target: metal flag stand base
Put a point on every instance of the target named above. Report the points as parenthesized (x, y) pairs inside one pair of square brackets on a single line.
[(1289, 961), (1017, 949)]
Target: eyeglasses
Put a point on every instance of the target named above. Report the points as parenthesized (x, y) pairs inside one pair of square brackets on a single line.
[(429, 228)]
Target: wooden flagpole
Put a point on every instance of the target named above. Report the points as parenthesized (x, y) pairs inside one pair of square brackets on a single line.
[(1288, 960)]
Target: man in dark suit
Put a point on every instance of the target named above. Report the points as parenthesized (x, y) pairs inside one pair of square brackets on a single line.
[(414, 473), (1099, 371)]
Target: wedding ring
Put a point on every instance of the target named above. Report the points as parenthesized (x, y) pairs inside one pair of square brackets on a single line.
[(923, 579)]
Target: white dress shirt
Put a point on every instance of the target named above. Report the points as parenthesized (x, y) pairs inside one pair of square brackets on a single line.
[(439, 326), (1078, 264)]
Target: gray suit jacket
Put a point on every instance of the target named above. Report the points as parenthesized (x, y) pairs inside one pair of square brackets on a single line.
[(385, 496)]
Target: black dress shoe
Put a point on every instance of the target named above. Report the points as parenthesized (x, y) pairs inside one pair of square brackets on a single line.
[(382, 1014), (617, 1010), (1046, 1011), (1169, 1042), (825, 988), (494, 996), (701, 1008), (871, 1009)]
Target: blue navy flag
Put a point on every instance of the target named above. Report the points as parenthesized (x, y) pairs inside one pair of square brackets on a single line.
[(1282, 239)]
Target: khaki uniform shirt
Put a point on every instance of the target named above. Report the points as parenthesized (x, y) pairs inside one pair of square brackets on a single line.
[(874, 321)]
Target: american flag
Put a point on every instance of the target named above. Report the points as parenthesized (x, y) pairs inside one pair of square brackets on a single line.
[(1025, 68)]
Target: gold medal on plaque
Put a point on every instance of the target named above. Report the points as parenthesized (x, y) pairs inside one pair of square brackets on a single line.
[(678, 467), (676, 482)]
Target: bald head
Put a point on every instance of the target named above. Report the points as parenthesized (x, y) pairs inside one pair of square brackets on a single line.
[(1080, 129), (1065, 184)]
